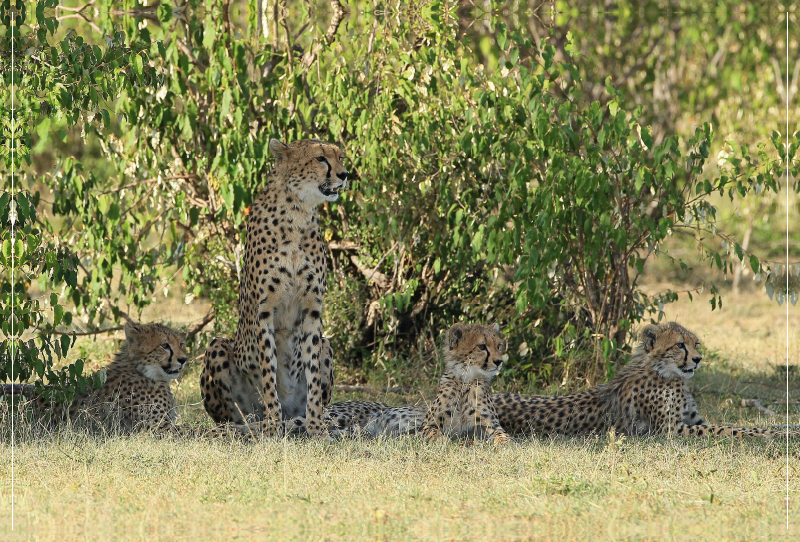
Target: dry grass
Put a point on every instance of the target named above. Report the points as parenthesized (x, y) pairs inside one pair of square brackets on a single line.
[(70, 485), (74, 486)]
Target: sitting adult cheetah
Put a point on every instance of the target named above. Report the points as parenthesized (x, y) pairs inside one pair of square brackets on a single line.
[(649, 395), (272, 371), (463, 406), (136, 393)]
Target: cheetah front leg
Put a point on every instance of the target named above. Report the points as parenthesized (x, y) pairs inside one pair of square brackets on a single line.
[(327, 375), (311, 353), (481, 412), (440, 415), (272, 424)]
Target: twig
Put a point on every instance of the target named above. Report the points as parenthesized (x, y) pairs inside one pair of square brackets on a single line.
[(343, 245), (195, 329), (82, 17), (82, 334), (188, 52), (371, 274), (756, 404), (77, 9), (336, 19)]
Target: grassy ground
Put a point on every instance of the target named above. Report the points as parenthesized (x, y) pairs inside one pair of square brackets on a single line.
[(72, 485)]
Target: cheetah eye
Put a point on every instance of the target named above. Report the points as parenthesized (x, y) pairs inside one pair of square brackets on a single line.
[(482, 347), (322, 159), (681, 346), (165, 346), (501, 347)]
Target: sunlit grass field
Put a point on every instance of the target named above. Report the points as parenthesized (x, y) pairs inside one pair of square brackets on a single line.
[(72, 485)]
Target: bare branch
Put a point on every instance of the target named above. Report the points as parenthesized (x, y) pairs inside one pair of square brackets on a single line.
[(344, 244), (83, 333), (195, 329), (82, 17), (336, 19), (76, 9), (371, 274), (756, 404)]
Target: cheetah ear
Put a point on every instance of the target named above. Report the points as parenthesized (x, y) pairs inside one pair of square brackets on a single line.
[(496, 327), (279, 150), (456, 334), (127, 318), (132, 329), (648, 335)]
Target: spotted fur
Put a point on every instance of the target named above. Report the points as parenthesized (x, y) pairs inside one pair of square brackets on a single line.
[(647, 396), (473, 355), (274, 370), (136, 394)]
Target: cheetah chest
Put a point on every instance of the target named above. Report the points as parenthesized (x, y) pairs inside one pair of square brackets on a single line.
[(295, 300)]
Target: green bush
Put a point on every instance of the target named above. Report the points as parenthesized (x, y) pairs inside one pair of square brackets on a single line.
[(61, 82), (483, 195)]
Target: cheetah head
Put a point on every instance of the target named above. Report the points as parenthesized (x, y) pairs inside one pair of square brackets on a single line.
[(671, 350), (474, 352), (159, 352), (313, 170)]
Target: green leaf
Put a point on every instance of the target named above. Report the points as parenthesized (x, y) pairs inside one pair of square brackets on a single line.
[(502, 35), (64, 344), (754, 264), (209, 32), (138, 65), (103, 203), (58, 314), (226, 103)]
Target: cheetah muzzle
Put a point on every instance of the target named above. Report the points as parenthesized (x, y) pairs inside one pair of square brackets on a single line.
[(330, 189)]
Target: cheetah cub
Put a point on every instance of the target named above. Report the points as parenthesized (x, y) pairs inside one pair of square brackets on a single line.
[(136, 394), (473, 355), (463, 405), (647, 396)]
